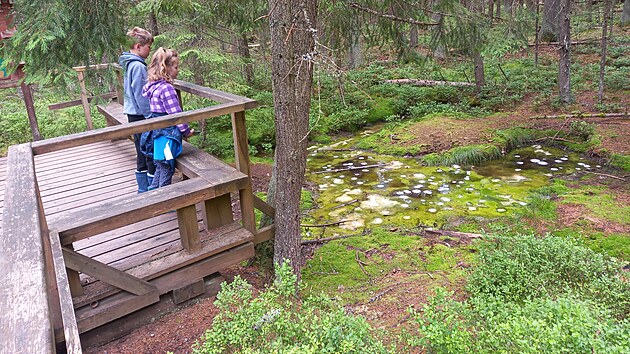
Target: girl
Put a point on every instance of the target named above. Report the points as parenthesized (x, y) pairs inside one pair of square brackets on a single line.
[(163, 100)]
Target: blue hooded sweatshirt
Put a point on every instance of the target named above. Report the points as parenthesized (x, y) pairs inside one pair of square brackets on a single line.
[(135, 69)]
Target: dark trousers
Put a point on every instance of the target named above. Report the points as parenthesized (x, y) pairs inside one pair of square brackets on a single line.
[(143, 163), (163, 174)]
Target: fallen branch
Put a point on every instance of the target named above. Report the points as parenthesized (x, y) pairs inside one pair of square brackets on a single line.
[(454, 233), (356, 257), (378, 296), (557, 43), (581, 115), (344, 204), (328, 224), (350, 168), (609, 176), (427, 82)]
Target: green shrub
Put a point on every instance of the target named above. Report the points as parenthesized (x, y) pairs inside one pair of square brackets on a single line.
[(526, 267), (490, 325), (279, 321)]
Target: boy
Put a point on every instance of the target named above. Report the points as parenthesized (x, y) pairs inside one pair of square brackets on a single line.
[(136, 106)]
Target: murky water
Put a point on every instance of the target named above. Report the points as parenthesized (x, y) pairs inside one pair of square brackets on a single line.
[(361, 189)]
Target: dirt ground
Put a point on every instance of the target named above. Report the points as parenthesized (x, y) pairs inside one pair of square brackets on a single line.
[(177, 331)]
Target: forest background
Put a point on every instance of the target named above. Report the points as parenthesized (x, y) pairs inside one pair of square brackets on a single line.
[(353, 48)]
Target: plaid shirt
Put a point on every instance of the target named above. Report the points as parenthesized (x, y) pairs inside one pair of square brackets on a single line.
[(162, 97)]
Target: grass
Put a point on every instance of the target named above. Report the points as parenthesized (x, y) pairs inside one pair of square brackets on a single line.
[(464, 155)]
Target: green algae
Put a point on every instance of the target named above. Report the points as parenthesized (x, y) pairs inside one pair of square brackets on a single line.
[(363, 190)]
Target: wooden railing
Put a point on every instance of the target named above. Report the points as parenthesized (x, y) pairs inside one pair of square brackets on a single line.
[(34, 289)]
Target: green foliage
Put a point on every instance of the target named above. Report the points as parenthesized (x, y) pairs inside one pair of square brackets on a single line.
[(516, 269), (279, 321), (463, 155), (621, 161), (490, 325), (53, 36), (14, 126), (513, 138)]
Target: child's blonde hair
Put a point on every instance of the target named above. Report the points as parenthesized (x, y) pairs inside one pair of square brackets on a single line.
[(161, 60), (139, 36)]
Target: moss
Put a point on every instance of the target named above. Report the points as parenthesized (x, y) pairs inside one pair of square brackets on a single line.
[(615, 245), (334, 268)]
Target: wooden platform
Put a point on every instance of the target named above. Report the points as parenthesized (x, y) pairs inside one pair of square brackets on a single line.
[(81, 248), (86, 177)]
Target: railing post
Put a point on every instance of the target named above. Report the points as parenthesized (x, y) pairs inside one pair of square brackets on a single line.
[(119, 88), (241, 151), (84, 100)]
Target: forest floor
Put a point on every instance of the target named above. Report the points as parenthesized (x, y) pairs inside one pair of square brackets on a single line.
[(178, 330)]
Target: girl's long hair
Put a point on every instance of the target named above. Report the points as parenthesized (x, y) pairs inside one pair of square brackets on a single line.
[(161, 60)]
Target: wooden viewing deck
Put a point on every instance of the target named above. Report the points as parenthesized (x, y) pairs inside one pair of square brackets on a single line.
[(80, 248)]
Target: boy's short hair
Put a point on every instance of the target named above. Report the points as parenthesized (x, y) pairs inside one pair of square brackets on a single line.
[(140, 36)]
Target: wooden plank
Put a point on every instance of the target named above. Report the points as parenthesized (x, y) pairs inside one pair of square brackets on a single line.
[(106, 273), (155, 267), (93, 66), (204, 268), (70, 328), (74, 279), (121, 211), (264, 234), (113, 112), (72, 103), (210, 247), (217, 212), (194, 162), (112, 308), (26, 315), (264, 207), (246, 195), (215, 95), (30, 110), (84, 101), (125, 130), (126, 236), (189, 228)]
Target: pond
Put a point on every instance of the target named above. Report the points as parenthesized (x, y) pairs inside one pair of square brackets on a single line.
[(358, 189)]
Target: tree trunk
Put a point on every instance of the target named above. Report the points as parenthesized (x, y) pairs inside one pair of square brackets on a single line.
[(292, 27), (490, 10), (602, 63), (480, 79), (242, 46), (356, 54), (439, 52), (537, 40), (153, 24), (551, 20), (625, 16), (564, 76), (413, 37)]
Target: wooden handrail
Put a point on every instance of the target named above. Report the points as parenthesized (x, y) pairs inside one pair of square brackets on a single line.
[(25, 327), (125, 130)]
